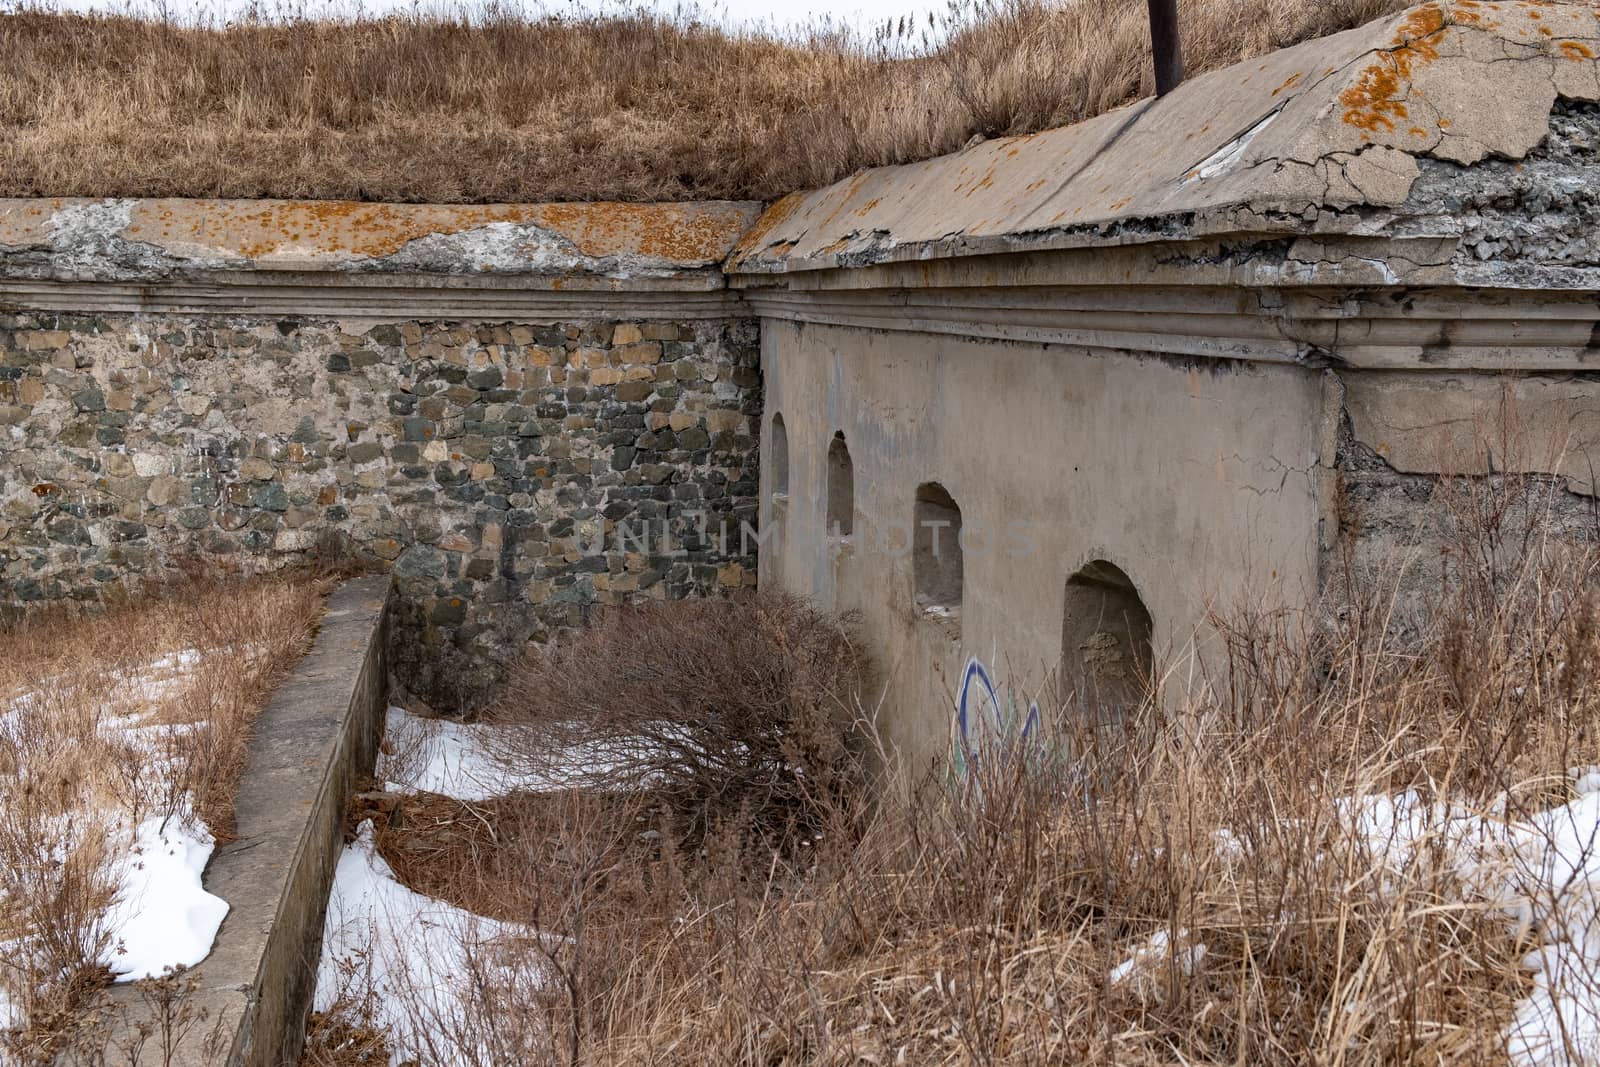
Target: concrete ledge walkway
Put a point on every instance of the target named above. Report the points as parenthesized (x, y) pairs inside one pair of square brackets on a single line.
[(319, 732)]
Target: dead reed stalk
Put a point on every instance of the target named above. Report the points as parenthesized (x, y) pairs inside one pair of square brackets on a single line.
[(1271, 872)]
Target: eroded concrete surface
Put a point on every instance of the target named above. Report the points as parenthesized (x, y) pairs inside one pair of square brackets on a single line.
[(150, 239), (1199, 479), (1328, 137)]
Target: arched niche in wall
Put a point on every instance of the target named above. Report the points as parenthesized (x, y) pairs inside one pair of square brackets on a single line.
[(780, 460), (1106, 635), (936, 564), (841, 489)]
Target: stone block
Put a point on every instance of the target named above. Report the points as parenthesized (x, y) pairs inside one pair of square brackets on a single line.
[(257, 470), (642, 352)]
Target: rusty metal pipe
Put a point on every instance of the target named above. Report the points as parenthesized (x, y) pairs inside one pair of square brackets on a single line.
[(1165, 46)]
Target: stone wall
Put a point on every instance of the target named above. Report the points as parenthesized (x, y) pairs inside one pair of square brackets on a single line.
[(482, 462)]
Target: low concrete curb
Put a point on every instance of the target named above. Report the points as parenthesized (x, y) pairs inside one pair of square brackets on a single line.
[(319, 732)]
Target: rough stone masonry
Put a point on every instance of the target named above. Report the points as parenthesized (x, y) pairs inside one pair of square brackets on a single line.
[(499, 469)]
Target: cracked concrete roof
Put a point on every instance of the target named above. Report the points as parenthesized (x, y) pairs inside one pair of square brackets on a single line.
[(145, 239), (1323, 137)]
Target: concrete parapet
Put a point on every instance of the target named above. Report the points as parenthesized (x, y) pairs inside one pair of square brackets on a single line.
[(319, 732)]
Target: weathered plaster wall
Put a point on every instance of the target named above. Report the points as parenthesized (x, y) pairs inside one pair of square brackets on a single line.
[(483, 461), (1197, 478), (1230, 340), (1440, 471)]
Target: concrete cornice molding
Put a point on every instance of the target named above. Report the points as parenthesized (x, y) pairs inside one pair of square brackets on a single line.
[(1176, 307), (1378, 328), (384, 298)]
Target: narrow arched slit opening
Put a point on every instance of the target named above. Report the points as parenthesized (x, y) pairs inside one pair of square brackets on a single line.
[(779, 441), (841, 489), (936, 563)]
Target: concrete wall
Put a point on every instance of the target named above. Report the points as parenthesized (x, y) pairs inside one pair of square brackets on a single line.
[(1228, 342), (1196, 478)]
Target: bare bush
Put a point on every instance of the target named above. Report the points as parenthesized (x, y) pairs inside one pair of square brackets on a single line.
[(490, 105), (734, 709)]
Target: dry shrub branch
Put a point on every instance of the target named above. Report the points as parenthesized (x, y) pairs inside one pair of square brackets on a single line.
[(1215, 848), (720, 710), (493, 105)]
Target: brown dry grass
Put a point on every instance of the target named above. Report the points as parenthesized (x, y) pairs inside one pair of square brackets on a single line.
[(502, 108), (982, 925), (71, 775)]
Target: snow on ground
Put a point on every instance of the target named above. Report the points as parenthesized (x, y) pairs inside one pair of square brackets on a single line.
[(457, 760), (419, 959), (1544, 871), (162, 916), (412, 959), (1154, 952)]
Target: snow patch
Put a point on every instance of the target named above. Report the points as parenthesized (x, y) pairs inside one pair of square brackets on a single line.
[(1543, 871), (419, 957), (457, 760), (163, 917), (1156, 950)]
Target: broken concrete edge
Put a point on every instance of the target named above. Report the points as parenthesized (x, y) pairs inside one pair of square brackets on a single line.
[(620, 245), (1328, 137), (318, 734), (1326, 141)]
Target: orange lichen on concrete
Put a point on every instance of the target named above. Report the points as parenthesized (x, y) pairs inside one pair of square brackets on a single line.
[(675, 233), (845, 199), (1376, 98), (1293, 80), (256, 229), (770, 219), (1576, 50)]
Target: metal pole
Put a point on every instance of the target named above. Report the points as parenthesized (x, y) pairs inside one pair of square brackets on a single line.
[(1164, 43)]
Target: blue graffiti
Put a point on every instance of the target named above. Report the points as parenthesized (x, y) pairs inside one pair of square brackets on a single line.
[(986, 727)]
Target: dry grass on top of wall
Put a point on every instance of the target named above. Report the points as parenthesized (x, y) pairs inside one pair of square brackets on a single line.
[(497, 107)]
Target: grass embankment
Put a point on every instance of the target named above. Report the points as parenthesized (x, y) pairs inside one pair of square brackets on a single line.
[(497, 107), (107, 721)]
